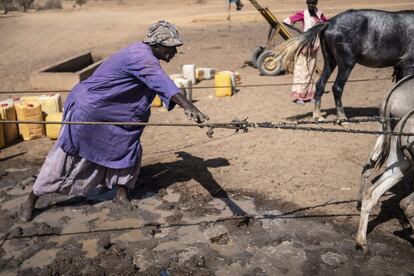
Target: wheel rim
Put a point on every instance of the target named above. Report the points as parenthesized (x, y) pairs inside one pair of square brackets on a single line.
[(270, 63)]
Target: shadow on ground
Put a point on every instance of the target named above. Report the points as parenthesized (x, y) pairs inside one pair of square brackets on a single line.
[(351, 112)]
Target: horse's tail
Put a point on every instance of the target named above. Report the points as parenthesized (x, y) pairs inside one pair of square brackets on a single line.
[(304, 43), (381, 156)]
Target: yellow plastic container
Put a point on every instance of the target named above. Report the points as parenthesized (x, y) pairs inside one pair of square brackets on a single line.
[(222, 82), (8, 113), (156, 102), (50, 104), (52, 130), (29, 112), (2, 140), (29, 99)]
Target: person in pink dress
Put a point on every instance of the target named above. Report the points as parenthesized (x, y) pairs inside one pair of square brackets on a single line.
[(303, 89)]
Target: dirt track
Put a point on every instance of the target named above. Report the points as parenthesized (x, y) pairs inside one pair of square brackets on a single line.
[(270, 174)]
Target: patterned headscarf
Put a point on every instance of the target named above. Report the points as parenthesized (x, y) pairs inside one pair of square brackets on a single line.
[(163, 33)]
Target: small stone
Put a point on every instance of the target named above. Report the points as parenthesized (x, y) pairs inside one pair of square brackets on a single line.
[(333, 259)]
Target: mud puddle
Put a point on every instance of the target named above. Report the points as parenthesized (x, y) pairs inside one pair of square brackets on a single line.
[(173, 231)]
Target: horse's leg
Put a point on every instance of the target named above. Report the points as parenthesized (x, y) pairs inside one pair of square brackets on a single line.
[(407, 205), (368, 167), (346, 63), (391, 177), (328, 68)]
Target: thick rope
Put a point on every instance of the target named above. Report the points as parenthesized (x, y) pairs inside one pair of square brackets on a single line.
[(196, 87), (241, 125)]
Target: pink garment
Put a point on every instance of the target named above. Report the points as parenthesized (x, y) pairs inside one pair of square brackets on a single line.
[(300, 17)]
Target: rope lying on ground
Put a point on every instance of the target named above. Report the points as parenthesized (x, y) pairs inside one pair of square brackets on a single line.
[(195, 87), (244, 125)]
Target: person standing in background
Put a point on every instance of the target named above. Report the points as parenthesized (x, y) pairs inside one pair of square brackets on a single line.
[(303, 89), (238, 3)]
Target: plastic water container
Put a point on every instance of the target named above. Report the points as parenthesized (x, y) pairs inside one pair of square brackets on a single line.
[(176, 76), (28, 99), (50, 104), (199, 74), (8, 113), (235, 79), (52, 130), (189, 72), (186, 88), (2, 139), (208, 73), (29, 112), (156, 102), (223, 84)]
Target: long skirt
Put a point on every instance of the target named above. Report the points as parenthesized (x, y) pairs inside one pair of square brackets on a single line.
[(303, 87), (74, 175)]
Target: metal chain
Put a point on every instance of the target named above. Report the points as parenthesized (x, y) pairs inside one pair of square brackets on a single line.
[(242, 125)]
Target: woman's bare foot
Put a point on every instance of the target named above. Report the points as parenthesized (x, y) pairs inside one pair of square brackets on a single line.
[(25, 212), (122, 195)]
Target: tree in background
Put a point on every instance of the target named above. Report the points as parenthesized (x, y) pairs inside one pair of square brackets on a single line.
[(6, 5), (80, 2), (25, 4)]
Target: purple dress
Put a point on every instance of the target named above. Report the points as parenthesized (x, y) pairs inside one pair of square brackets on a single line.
[(120, 90)]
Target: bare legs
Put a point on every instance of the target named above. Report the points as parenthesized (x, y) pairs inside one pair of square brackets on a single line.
[(122, 195), (25, 212), (26, 208)]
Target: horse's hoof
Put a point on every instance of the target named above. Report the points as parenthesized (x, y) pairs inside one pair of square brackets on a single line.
[(364, 249), (318, 118), (342, 123), (360, 247)]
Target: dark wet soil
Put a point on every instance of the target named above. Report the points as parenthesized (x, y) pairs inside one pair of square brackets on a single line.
[(171, 230)]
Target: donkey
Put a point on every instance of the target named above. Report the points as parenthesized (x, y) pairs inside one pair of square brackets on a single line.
[(371, 38), (398, 163), (398, 102)]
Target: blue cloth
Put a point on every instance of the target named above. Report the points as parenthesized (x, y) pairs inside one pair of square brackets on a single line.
[(122, 90)]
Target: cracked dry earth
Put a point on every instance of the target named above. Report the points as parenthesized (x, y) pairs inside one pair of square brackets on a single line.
[(179, 229)]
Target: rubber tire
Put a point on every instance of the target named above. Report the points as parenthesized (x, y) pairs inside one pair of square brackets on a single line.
[(263, 60), (255, 55)]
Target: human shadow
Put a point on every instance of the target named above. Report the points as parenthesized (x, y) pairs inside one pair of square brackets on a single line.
[(152, 179), (351, 112), (159, 176)]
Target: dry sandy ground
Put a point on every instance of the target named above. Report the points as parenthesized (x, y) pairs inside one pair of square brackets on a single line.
[(316, 171)]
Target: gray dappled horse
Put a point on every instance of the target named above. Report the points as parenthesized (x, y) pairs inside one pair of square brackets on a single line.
[(398, 163), (371, 38), (398, 102)]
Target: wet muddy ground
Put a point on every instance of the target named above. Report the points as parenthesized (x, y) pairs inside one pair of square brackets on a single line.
[(268, 202), (176, 228)]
